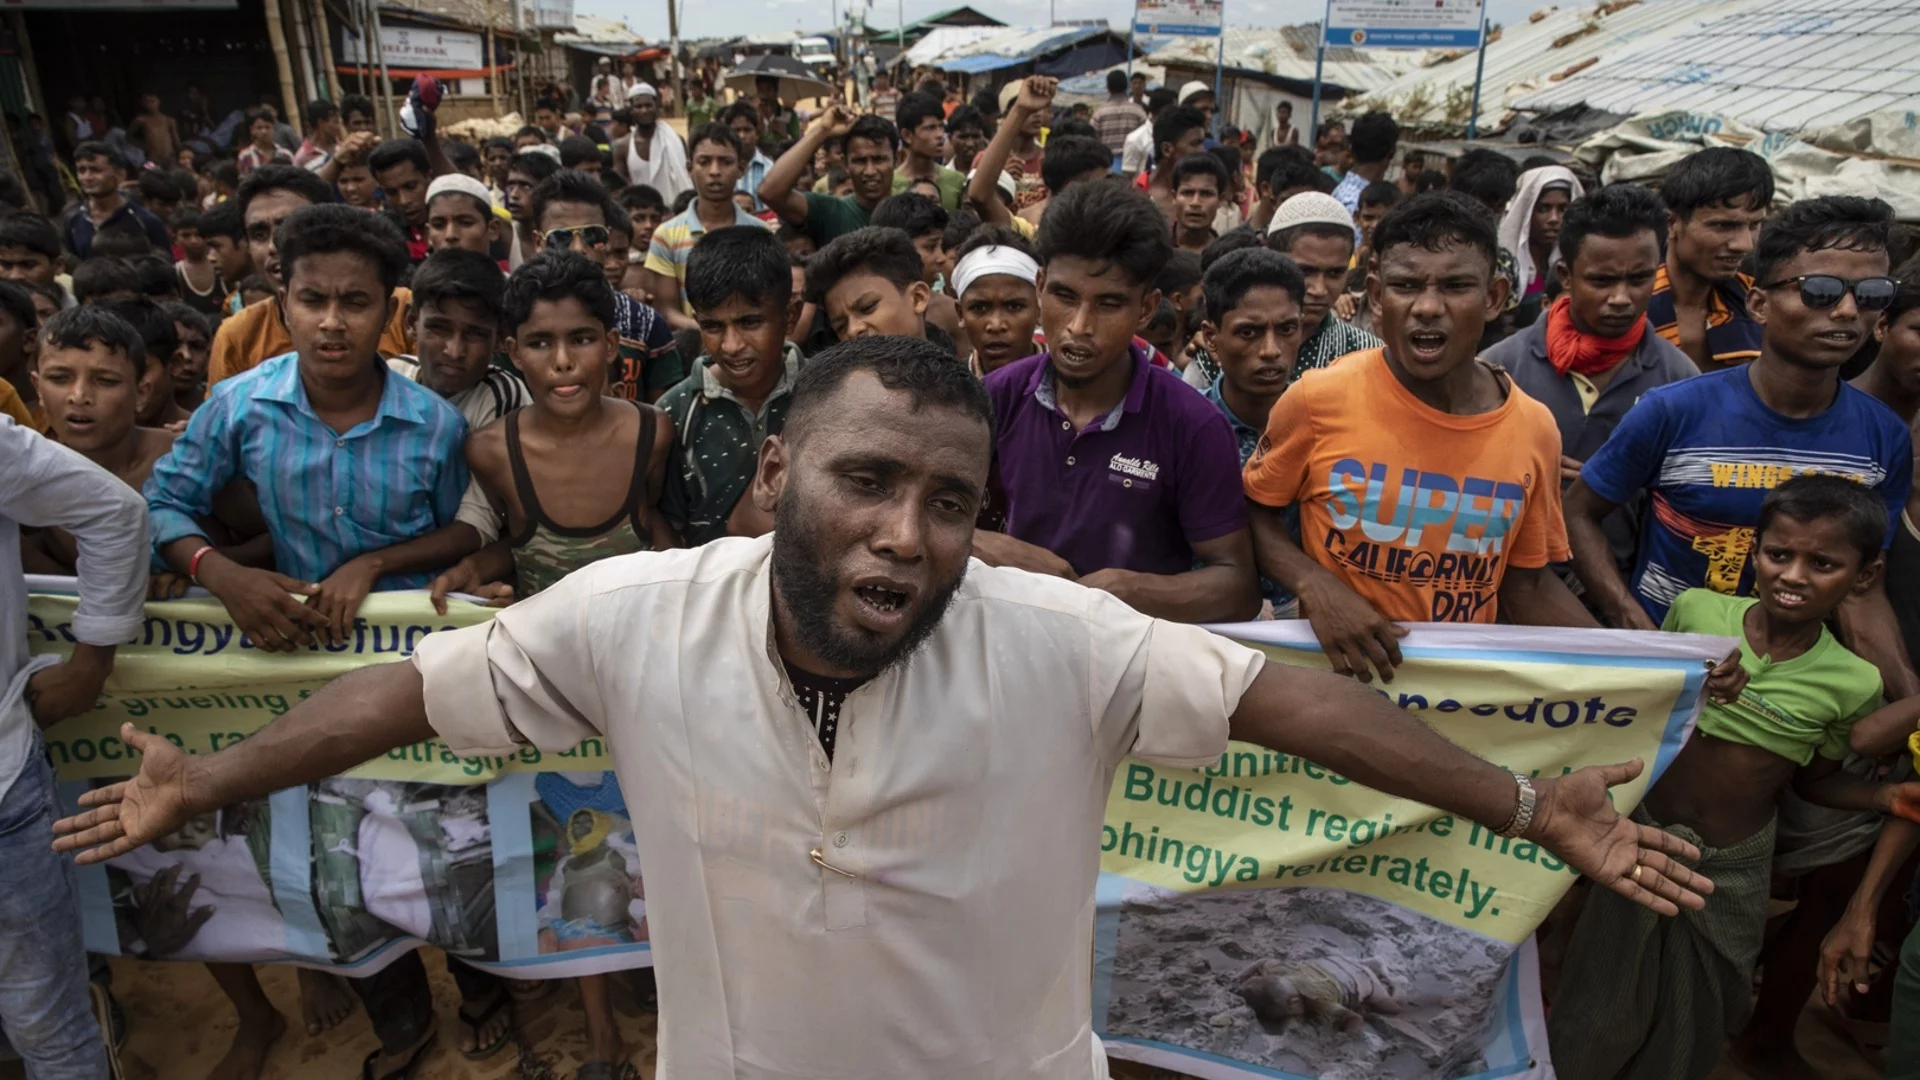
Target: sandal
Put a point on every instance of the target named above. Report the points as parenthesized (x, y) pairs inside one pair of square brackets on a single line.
[(477, 1022), (406, 1071), (601, 1070)]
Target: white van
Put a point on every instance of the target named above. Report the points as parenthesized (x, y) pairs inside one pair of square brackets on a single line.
[(815, 52)]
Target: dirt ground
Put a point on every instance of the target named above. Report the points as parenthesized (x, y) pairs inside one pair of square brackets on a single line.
[(180, 1025)]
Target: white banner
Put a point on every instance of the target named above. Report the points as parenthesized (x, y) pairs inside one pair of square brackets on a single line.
[(418, 47), (1193, 18), (1397, 24)]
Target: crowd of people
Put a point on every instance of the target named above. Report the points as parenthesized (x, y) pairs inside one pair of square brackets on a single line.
[(1355, 383)]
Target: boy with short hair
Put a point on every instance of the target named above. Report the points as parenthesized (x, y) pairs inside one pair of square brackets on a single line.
[(525, 171), (1252, 331), (924, 221), (93, 373), (226, 239), (715, 159), (29, 249), (571, 211), (922, 120), (1200, 181), (1657, 997), (187, 368), (741, 288), (200, 284), (645, 209), (1716, 200), (1458, 425), (871, 281), (1114, 472), (1316, 232)]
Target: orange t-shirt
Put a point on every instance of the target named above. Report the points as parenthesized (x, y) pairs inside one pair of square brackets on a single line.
[(11, 405), (256, 334), (1418, 511)]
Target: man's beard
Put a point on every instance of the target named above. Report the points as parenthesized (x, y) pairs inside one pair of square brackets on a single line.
[(645, 127), (808, 589)]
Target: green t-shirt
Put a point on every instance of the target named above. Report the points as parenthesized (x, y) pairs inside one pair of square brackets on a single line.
[(951, 182), (830, 216), (1794, 708)]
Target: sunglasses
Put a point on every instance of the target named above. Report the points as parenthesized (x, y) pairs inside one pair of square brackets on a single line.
[(1823, 291), (593, 236)]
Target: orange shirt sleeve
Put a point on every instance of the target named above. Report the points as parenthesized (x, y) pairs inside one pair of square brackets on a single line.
[(1541, 537), (11, 404), (1276, 474)]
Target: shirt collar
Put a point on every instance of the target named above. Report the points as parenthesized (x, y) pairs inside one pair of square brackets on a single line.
[(282, 383), (1220, 402), (1040, 385), (711, 387)]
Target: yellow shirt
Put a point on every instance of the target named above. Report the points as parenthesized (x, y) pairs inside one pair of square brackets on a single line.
[(257, 333), (11, 405)]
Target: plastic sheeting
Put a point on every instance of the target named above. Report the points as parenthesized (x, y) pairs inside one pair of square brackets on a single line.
[(1645, 147)]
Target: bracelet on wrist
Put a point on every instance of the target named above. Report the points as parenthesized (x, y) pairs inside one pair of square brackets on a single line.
[(193, 563), (1527, 798)]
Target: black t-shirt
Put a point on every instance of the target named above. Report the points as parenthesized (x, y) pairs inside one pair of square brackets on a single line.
[(821, 697)]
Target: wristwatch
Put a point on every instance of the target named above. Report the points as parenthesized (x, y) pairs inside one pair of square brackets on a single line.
[(1522, 809)]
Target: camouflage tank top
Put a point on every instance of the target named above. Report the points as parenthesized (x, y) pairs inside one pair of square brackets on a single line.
[(544, 552)]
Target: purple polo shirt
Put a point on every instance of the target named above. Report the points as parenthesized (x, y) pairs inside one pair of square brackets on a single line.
[(1134, 490)]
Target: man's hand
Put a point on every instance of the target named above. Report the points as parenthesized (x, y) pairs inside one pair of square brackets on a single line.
[(1899, 800), (69, 688), (1036, 95), (999, 549), (165, 916), (465, 577), (1576, 820), (1346, 305), (1351, 633), (168, 585), (1726, 679), (339, 597), (1112, 580), (131, 813), (353, 149), (1847, 954), (261, 604), (834, 122), (1569, 470)]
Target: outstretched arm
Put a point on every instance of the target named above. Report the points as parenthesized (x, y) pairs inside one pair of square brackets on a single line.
[(355, 717), (776, 188), (1357, 733), (1036, 94)]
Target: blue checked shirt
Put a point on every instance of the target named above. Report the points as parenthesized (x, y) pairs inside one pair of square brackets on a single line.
[(327, 497)]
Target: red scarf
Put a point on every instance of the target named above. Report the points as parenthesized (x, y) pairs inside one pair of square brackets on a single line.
[(1570, 350)]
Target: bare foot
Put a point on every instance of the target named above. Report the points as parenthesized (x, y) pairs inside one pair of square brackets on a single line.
[(325, 1000), (1770, 1062), (247, 1058), (490, 1032)]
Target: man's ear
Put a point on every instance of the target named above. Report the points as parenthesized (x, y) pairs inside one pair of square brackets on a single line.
[(796, 305), (1207, 330), (770, 474), (1757, 303), (1497, 292), (1149, 303), (919, 294)]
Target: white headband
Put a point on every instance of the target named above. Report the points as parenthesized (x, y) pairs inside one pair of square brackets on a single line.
[(994, 259)]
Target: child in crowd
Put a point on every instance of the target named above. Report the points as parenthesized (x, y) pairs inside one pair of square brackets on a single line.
[(871, 281), (460, 215), (20, 322), (200, 283), (924, 221), (994, 275), (552, 470), (187, 368), (1657, 997), (740, 284), (571, 211)]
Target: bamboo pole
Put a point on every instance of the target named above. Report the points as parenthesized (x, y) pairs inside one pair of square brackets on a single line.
[(277, 37), (386, 81), (325, 32), (493, 62), (304, 78)]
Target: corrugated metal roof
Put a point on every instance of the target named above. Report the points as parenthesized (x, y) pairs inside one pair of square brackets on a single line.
[(1778, 65), (1534, 54), (595, 30), (1289, 53), (965, 48)]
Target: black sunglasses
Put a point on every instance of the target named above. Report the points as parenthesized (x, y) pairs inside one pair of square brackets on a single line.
[(1823, 291), (593, 236)]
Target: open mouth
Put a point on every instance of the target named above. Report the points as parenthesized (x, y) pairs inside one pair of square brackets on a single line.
[(1844, 338), (1787, 598), (1427, 345), (881, 607), (1268, 376), (332, 350)]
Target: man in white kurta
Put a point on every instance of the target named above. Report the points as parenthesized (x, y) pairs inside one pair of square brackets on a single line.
[(952, 922)]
